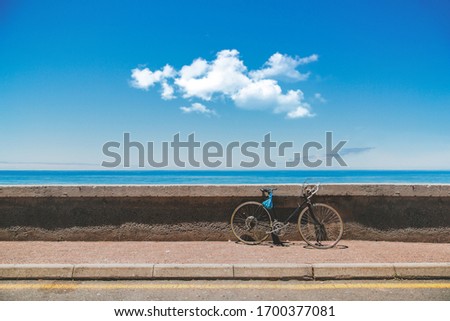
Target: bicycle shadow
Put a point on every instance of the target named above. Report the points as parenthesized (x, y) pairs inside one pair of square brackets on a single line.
[(337, 247), (290, 244)]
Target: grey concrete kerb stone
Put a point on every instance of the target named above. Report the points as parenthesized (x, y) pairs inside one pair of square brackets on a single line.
[(193, 271), (354, 271), (36, 271), (113, 271), (422, 270), (226, 271), (273, 271)]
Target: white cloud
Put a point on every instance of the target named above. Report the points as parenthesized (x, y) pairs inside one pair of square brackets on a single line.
[(224, 75), (258, 94), (227, 76), (300, 111), (284, 67), (167, 91), (267, 94), (145, 78), (318, 97), (307, 60), (198, 68), (198, 108)]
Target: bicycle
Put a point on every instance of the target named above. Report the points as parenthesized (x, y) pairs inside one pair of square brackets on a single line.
[(319, 224)]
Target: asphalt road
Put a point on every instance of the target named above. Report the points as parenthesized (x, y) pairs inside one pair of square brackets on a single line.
[(226, 290)]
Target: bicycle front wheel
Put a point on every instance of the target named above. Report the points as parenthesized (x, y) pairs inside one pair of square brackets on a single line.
[(322, 228), (251, 223)]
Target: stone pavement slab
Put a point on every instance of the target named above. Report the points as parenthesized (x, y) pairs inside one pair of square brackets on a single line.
[(147, 260)]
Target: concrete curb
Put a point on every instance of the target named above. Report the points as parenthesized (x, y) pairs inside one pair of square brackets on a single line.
[(193, 271), (354, 271), (273, 271), (36, 271), (112, 271), (329, 271), (422, 270)]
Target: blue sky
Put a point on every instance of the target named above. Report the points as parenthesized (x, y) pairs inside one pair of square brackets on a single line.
[(380, 78)]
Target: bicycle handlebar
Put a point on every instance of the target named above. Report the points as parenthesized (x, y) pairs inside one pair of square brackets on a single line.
[(310, 191)]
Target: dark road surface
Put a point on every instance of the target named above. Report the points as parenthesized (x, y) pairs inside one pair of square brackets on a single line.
[(226, 290)]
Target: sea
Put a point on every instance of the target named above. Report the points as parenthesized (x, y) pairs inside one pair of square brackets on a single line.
[(202, 177)]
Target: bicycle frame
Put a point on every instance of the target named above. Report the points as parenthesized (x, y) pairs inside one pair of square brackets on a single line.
[(297, 210)]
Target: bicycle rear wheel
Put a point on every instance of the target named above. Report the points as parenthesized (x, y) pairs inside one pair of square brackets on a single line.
[(251, 223), (323, 232)]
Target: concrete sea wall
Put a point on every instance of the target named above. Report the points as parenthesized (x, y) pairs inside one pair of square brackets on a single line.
[(201, 212)]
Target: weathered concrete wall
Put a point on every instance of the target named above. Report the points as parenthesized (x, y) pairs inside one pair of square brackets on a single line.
[(82, 213)]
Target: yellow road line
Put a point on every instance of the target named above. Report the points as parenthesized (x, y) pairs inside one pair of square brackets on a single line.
[(206, 286)]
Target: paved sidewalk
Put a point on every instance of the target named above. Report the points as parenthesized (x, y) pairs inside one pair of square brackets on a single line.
[(146, 260)]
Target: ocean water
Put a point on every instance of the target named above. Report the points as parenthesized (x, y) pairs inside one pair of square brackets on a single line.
[(153, 177)]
